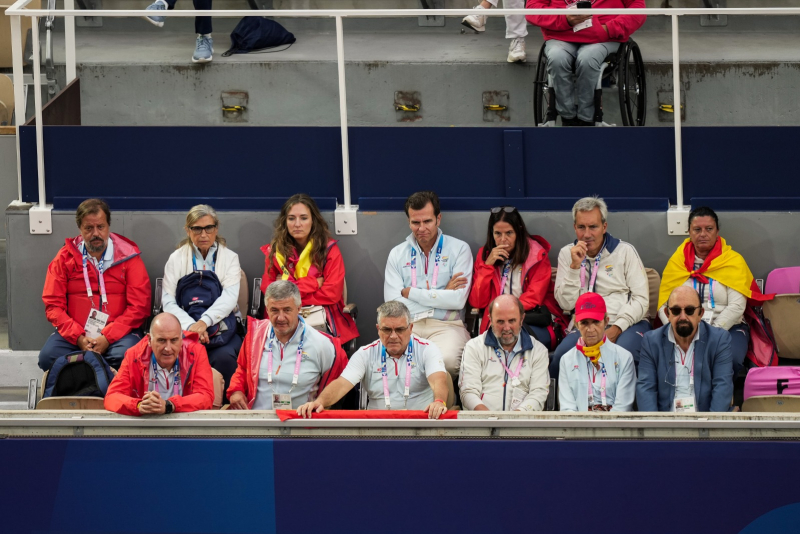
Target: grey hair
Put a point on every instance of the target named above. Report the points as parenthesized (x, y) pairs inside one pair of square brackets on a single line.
[(393, 308), (282, 290), (588, 204), (197, 213)]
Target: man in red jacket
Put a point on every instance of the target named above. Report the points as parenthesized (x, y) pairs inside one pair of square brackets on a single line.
[(166, 372), (576, 44), (97, 292)]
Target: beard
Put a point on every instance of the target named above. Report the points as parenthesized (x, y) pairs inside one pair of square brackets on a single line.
[(508, 339), (684, 328), (96, 245)]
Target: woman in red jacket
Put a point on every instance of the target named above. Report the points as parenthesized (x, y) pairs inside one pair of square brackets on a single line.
[(303, 253), (513, 262)]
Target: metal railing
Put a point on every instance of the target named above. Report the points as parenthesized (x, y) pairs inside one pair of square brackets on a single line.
[(69, 13)]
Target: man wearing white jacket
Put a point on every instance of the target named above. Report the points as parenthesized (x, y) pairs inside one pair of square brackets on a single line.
[(596, 374), (431, 274), (504, 369), (600, 263)]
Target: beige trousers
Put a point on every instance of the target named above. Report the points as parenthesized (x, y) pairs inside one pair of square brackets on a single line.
[(449, 336)]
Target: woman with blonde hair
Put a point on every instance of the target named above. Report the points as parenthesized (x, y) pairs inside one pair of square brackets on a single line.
[(201, 266), (303, 253)]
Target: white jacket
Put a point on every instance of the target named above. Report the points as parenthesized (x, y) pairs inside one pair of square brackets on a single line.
[(621, 281), (573, 379), (227, 270), (447, 304), (482, 375)]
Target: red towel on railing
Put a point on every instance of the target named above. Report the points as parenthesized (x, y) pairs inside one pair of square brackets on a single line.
[(285, 415)]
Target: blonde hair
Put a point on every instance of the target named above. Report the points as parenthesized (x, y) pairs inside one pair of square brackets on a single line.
[(197, 213)]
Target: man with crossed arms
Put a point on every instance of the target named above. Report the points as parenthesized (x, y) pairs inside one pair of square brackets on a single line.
[(400, 370)]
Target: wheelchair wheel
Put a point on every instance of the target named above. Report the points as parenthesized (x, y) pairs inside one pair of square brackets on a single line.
[(541, 91), (632, 86)]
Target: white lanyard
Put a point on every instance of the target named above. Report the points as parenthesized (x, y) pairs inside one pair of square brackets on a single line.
[(602, 384), (435, 267), (297, 362), (103, 297), (386, 394), (506, 276), (515, 375), (584, 266)]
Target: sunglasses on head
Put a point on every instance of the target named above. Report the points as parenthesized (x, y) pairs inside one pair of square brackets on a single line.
[(688, 310), (507, 209)]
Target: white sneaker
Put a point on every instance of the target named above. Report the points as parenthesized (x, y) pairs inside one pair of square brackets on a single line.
[(475, 22), (516, 51)]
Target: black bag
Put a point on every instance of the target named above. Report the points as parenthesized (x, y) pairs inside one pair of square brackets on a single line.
[(254, 34), (196, 293), (538, 316), (79, 374)]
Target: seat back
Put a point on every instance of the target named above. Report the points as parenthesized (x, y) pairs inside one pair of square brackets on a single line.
[(6, 60), (783, 313), (772, 403), (219, 389), (773, 380), (243, 295), (783, 280), (551, 404), (6, 100), (71, 403), (653, 284)]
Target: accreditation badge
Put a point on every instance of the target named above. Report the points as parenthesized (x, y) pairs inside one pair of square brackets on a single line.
[(708, 315), (281, 401), (684, 404), (517, 397), (95, 323)]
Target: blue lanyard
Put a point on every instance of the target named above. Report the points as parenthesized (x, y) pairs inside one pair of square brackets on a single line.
[(437, 259), (710, 291), (506, 277), (384, 376), (213, 261), (176, 381)]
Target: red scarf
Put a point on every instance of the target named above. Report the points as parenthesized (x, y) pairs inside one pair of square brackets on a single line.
[(689, 255)]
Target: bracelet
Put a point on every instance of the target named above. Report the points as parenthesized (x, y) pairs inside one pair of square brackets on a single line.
[(440, 400)]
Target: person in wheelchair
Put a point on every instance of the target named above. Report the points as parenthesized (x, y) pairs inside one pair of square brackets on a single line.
[(576, 44), (303, 253)]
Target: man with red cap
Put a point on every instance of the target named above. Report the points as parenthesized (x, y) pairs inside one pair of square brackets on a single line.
[(596, 374)]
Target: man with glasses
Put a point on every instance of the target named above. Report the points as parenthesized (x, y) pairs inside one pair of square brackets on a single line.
[(431, 274), (504, 369), (685, 366), (399, 371)]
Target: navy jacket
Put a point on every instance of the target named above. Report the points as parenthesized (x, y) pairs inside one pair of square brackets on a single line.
[(713, 371)]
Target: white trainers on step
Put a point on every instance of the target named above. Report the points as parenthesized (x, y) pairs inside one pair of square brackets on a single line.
[(516, 50), (475, 22)]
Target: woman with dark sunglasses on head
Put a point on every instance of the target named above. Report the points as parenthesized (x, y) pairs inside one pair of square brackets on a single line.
[(515, 263)]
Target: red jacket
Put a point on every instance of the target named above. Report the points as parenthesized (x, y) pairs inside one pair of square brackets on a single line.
[(129, 386), (67, 304), (245, 379), (535, 279), (330, 295), (620, 27)]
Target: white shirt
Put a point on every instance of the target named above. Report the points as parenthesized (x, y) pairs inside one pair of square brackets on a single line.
[(108, 255), (683, 369), (365, 366), (317, 358), (166, 382)]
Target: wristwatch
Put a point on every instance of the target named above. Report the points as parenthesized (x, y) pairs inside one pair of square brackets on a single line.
[(169, 408)]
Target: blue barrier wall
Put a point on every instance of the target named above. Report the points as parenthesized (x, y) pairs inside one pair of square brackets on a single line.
[(542, 169), (397, 486)]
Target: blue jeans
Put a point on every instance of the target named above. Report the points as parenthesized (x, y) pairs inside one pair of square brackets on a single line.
[(202, 25), (630, 340), (223, 359), (542, 335), (740, 339), (56, 346), (584, 60)]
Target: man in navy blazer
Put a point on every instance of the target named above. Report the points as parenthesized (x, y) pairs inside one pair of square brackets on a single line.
[(685, 366)]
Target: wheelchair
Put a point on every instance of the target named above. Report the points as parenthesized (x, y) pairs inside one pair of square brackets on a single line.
[(624, 68)]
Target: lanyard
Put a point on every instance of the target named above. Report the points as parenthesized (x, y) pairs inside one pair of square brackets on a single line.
[(683, 356), (514, 376), (103, 297), (386, 395), (710, 290), (506, 276), (438, 258), (602, 384), (584, 266), (213, 261), (176, 381), (297, 362)]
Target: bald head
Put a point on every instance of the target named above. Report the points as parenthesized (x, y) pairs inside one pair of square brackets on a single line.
[(506, 303), (684, 293), (505, 314), (166, 338)]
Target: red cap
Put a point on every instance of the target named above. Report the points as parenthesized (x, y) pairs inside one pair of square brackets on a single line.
[(590, 306)]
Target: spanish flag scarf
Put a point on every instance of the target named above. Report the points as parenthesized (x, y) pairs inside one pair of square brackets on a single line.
[(593, 352), (722, 265), (296, 267)]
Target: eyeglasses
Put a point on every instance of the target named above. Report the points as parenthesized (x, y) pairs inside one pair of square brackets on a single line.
[(389, 331), (689, 310), (197, 230), (507, 209)]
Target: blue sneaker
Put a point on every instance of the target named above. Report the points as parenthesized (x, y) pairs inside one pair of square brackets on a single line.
[(158, 5), (203, 49)]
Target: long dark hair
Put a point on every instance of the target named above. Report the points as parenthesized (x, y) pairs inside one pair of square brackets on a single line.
[(283, 242), (521, 246)]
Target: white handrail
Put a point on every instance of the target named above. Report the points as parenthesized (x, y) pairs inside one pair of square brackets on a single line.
[(18, 10)]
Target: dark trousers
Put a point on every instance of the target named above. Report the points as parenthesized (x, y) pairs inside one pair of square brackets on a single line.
[(740, 339), (542, 335), (223, 359), (202, 25), (56, 346)]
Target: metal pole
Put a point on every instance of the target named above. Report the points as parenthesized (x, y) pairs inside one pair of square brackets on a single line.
[(676, 106), (343, 111), (19, 90), (37, 93), (69, 41)]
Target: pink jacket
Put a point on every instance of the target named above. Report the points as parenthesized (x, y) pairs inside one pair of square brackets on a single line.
[(620, 27)]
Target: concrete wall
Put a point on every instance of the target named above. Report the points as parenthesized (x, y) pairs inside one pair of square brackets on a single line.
[(8, 173), (762, 238)]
